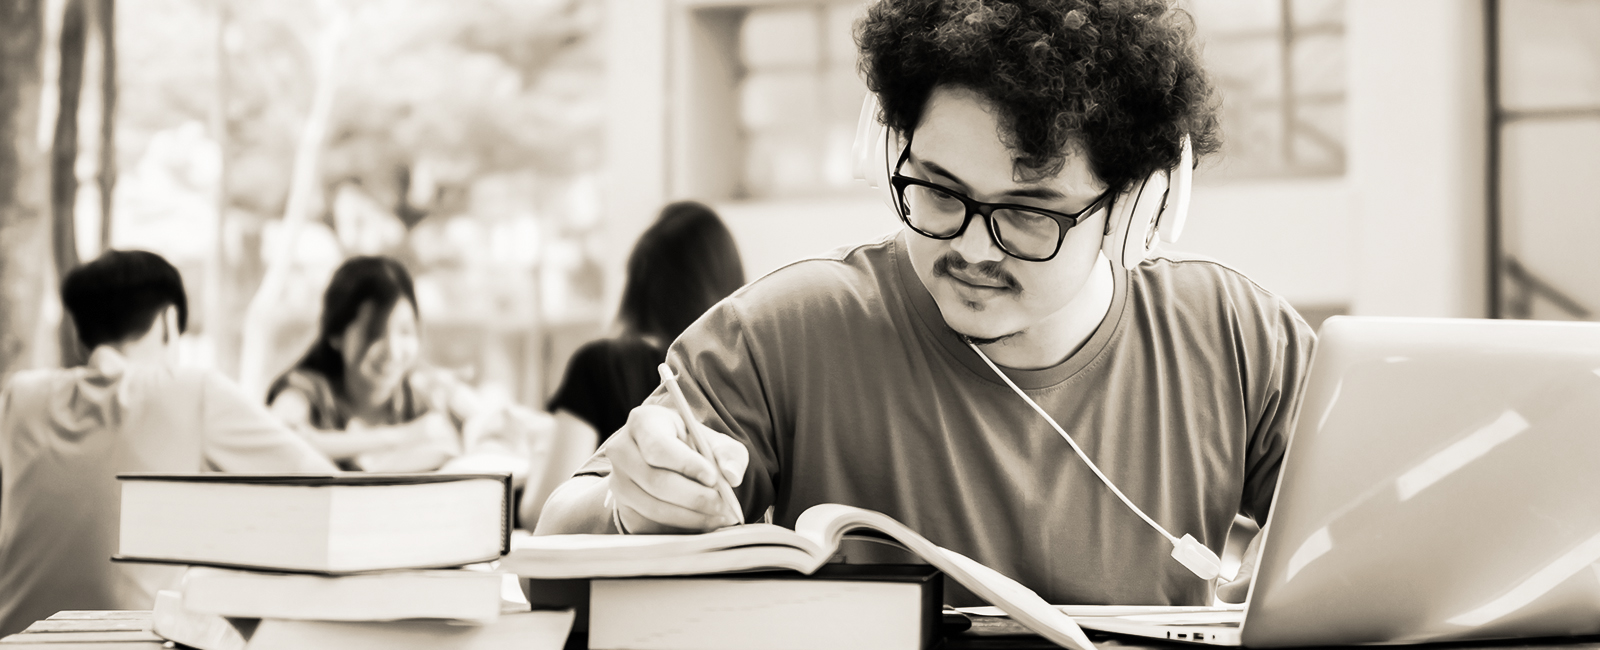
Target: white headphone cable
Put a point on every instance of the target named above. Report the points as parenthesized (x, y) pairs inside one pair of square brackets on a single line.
[(1187, 551)]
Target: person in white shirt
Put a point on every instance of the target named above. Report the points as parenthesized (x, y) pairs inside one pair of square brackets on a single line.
[(65, 434)]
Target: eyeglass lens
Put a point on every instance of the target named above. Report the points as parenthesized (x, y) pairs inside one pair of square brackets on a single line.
[(1022, 233)]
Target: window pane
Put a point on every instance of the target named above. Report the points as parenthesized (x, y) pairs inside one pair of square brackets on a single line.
[(799, 98), (1246, 49), (1550, 54), (1551, 218), (775, 37)]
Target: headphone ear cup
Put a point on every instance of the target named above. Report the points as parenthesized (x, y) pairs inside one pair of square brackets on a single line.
[(1176, 213), (1130, 223), (872, 149)]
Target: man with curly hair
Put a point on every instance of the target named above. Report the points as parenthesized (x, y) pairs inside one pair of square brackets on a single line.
[(861, 377)]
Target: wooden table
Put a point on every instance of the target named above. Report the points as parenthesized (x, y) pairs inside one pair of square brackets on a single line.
[(130, 630)]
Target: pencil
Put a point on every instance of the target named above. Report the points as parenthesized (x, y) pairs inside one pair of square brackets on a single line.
[(699, 443)]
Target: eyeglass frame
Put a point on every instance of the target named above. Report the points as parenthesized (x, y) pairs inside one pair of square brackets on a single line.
[(973, 206)]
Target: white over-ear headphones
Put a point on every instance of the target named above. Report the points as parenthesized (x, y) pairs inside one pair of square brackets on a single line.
[(1159, 203)]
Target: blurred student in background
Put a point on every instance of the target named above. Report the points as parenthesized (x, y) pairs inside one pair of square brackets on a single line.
[(65, 434), (682, 265), (361, 396), (355, 393)]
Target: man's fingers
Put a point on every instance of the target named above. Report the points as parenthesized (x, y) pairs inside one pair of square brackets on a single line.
[(731, 454), (658, 434), (659, 477), (670, 512), (674, 454), (670, 487), (1235, 591), (1252, 551)]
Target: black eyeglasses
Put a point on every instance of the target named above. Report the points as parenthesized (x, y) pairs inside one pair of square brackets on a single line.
[(1024, 232)]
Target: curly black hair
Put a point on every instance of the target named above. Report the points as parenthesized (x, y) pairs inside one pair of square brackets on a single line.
[(1120, 80)]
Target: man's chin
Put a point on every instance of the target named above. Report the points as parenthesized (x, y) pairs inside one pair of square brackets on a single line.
[(974, 320), (981, 333)]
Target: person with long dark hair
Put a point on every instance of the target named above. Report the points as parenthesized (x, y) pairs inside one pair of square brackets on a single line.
[(681, 265), (358, 395)]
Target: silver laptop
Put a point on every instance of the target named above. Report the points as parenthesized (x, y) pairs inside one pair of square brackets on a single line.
[(1442, 484)]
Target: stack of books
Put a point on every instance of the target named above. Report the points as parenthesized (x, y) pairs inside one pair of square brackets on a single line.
[(333, 561)]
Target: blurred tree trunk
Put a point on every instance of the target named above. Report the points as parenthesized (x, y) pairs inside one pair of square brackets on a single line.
[(106, 25), (22, 217), (261, 316), (64, 165), (220, 320)]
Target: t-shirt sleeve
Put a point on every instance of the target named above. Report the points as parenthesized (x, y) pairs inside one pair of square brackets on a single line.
[(321, 410), (1292, 343), (582, 385), (241, 436), (722, 380)]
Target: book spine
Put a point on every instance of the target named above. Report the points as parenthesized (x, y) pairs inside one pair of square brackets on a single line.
[(296, 570)]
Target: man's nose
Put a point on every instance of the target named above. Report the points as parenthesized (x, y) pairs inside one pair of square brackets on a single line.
[(975, 245)]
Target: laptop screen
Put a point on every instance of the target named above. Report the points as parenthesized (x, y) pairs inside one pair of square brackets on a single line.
[(1442, 483)]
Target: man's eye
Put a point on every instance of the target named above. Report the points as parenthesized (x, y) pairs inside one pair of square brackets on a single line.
[(943, 196)]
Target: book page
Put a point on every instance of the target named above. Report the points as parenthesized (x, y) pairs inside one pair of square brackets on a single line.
[(736, 548), (1090, 611), (827, 523), (728, 560)]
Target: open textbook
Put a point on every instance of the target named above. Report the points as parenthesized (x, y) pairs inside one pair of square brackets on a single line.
[(813, 541)]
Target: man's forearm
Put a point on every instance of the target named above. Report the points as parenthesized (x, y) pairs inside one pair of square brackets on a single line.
[(578, 506)]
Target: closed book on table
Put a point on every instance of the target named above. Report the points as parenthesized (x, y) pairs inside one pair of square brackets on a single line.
[(840, 607), (333, 524), (384, 596), (536, 630)]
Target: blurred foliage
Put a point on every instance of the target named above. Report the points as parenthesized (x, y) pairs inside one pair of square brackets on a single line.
[(432, 95), (482, 112)]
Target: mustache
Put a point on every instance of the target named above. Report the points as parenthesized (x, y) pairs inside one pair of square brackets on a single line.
[(986, 270)]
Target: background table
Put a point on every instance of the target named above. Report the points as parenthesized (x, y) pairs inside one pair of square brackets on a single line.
[(88, 630)]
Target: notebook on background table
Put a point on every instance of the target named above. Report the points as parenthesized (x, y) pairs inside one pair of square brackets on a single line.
[(1442, 484)]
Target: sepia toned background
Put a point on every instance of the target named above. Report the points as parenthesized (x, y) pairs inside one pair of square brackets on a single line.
[(1428, 157)]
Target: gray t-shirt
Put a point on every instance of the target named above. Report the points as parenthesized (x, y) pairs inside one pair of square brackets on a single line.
[(847, 386)]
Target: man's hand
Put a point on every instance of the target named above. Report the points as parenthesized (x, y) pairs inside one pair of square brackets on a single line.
[(1235, 590), (659, 483)]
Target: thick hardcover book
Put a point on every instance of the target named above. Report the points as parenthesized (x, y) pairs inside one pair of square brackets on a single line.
[(752, 547), (536, 630), (460, 594), (840, 606), (329, 524)]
